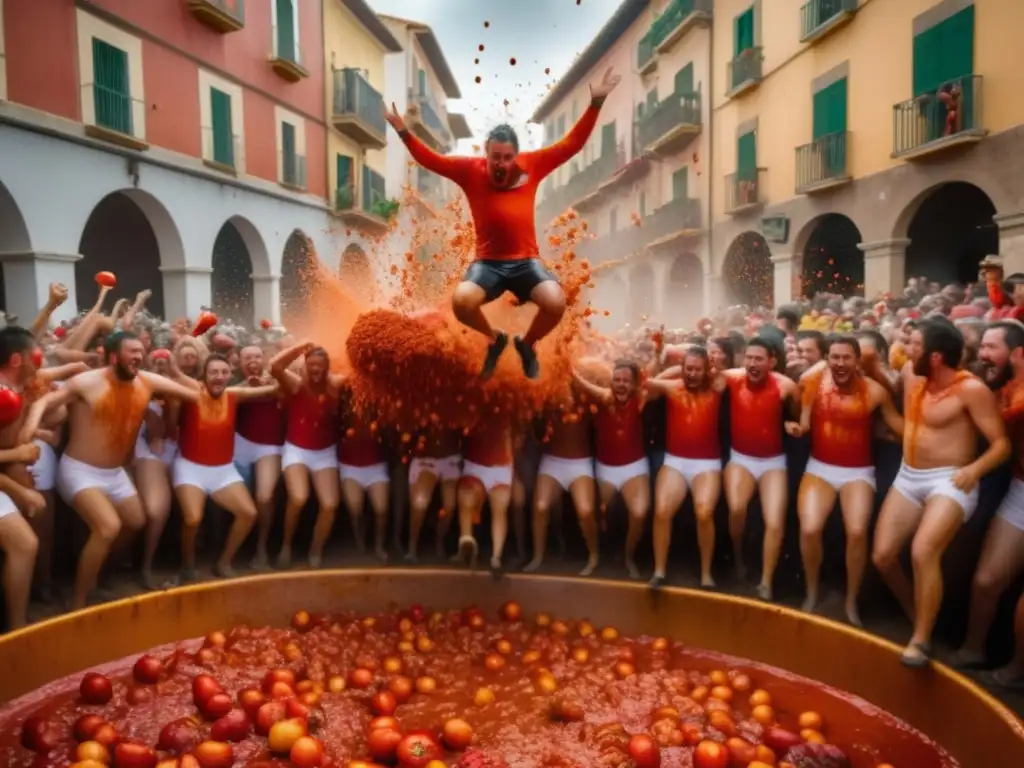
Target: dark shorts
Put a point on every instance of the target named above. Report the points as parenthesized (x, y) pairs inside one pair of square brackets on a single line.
[(518, 276)]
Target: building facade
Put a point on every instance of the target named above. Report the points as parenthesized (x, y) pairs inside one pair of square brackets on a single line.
[(179, 144), (857, 143), (639, 182)]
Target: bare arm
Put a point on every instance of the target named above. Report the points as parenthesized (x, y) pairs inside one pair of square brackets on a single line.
[(657, 387), (66, 355), (282, 361), (61, 372), (134, 309), (47, 402), (161, 385), (255, 393), (984, 412), (89, 327), (892, 418), (601, 394), (180, 378), (58, 295)]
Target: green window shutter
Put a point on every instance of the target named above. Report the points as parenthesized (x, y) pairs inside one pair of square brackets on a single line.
[(285, 29), (367, 191), (640, 111), (743, 31), (830, 109), (927, 52), (223, 136), (652, 100), (289, 163), (820, 109), (111, 88), (608, 139), (343, 166), (681, 184), (956, 38), (684, 80), (746, 156)]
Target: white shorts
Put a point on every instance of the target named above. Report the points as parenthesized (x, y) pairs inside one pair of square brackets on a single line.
[(690, 468), (207, 479), (491, 477), (44, 471), (1011, 509), (919, 485), (448, 468), (7, 506), (248, 453), (314, 461), (365, 476), (620, 475), (565, 471), (758, 467), (143, 451), (74, 476), (837, 477)]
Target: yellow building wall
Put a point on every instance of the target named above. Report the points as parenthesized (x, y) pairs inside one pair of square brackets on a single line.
[(878, 46), (347, 43)]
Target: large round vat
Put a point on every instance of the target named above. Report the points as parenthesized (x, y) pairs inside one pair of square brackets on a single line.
[(974, 727)]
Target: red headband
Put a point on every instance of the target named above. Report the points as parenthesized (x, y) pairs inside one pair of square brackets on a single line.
[(161, 354)]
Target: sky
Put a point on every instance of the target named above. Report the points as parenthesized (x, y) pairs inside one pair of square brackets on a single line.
[(538, 34)]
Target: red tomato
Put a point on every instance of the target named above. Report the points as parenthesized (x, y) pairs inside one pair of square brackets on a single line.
[(385, 703), (95, 688), (383, 743), (416, 750), (265, 324), (710, 754), (781, 740), (147, 669), (106, 279), (457, 734), (385, 721), (644, 751), (86, 726), (214, 754), (10, 406), (205, 322), (203, 687), (39, 734), (307, 752), (128, 755)]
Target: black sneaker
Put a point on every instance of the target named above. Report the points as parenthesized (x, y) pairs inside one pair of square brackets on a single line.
[(494, 354), (531, 367)]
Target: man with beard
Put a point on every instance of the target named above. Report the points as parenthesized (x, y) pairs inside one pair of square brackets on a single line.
[(758, 401), (693, 458), (106, 408), (259, 441), (1002, 555), (205, 464), (839, 407), (936, 489)]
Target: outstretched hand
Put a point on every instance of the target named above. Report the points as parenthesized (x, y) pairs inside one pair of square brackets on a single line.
[(607, 84), (394, 118)]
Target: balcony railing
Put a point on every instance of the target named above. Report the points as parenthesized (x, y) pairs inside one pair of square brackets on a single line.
[(745, 70), (582, 185), (743, 190), (117, 117), (286, 57), (359, 108), (221, 15), (820, 16), (675, 114), (675, 216), (645, 53), (433, 120), (947, 116), (223, 151), (293, 170), (822, 163), (671, 25)]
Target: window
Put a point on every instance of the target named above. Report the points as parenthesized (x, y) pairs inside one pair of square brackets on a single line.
[(743, 31), (373, 189), (681, 184), (944, 52), (608, 139), (640, 111), (289, 157), (746, 157), (684, 81), (830, 110), (652, 100), (345, 192), (111, 90), (286, 33), (223, 136)]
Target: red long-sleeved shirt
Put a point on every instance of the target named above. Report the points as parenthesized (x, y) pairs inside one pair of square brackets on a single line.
[(503, 218), (1003, 307)]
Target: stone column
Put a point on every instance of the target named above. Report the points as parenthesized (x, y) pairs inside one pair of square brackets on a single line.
[(267, 297), (885, 263), (27, 278), (782, 285), (1011, 240), (186, 291)]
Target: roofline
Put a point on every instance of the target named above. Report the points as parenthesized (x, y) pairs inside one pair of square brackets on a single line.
[(369, 19), (624, 16), (435, 56)]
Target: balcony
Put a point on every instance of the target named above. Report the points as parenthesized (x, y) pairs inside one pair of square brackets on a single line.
[(646, 58), (743, 192), (677, 219), (286, 58), (116, 116), (427, 124), (626, 170), (744, 72), (583, 189), (293, 171), (358, 110), (223, 16), (222, 152), (429, 184), (947, 117), (668, 29), (671, 126), (819, 18), (821, 165), (370, 214)]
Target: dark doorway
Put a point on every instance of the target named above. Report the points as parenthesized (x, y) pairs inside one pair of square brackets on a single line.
[(297, 273), (951, 233), (748, 272), (231, 286), (832, 262)]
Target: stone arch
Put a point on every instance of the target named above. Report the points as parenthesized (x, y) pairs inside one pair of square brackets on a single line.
[(950, 229), (232, 292), (684, 290), (298, 268), (355, 266), (14, 238), (641, 292), (748, 272), (829, 260), (131, 234)]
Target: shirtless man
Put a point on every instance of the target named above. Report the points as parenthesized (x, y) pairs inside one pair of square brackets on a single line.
[(839, 408), (205, 465), (260, 429), (487, 475), (693, 458), (106, 408), (1002, 555), (363, 469), (758, 400), (438, 463), (566, 466), (936, 489)]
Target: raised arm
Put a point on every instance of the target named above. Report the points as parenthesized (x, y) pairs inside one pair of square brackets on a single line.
[(161, 385), (61, 372), (601, 394), (134, 309), (57, 296), (656, 387), (449, 166), (44, 404), (255, 393), (282, 361)]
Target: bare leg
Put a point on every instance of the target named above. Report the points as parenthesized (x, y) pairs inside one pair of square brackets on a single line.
[(236, 500), (814, 503), (449, 509), (636, 492), (517, 505), (355, 502), (155, 491), (857, 500), (328, 496), (296, 484), (192, 501), (583, 492), (104, 527), (545, 492), (20, 545), (739, 486), (550, 300), (669, 494), (42, 525), (707, 489), (773, 490), (897, 522), (467, 304), (378, 494), (398, 499), (421, 494), (471, 497), (500, 496), (267, 474)]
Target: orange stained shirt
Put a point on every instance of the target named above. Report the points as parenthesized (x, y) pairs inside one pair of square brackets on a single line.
[(841, 423), (620, 433), (503, 218), (692, 419), (489, 443), (755, 417), (207, 434), (1011, 401), (311, 423)]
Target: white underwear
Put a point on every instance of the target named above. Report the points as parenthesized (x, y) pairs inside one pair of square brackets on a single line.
[(919, 485), (690, 468), (248, 453), (758, 467), (7, 506), (207, 479), (491, 477), (565, 472), (837, 477), (44, 471), (448, 468), (1012, 507), (143, 451), (74, 476), (365, 476), (314, 461), (620, 475)]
